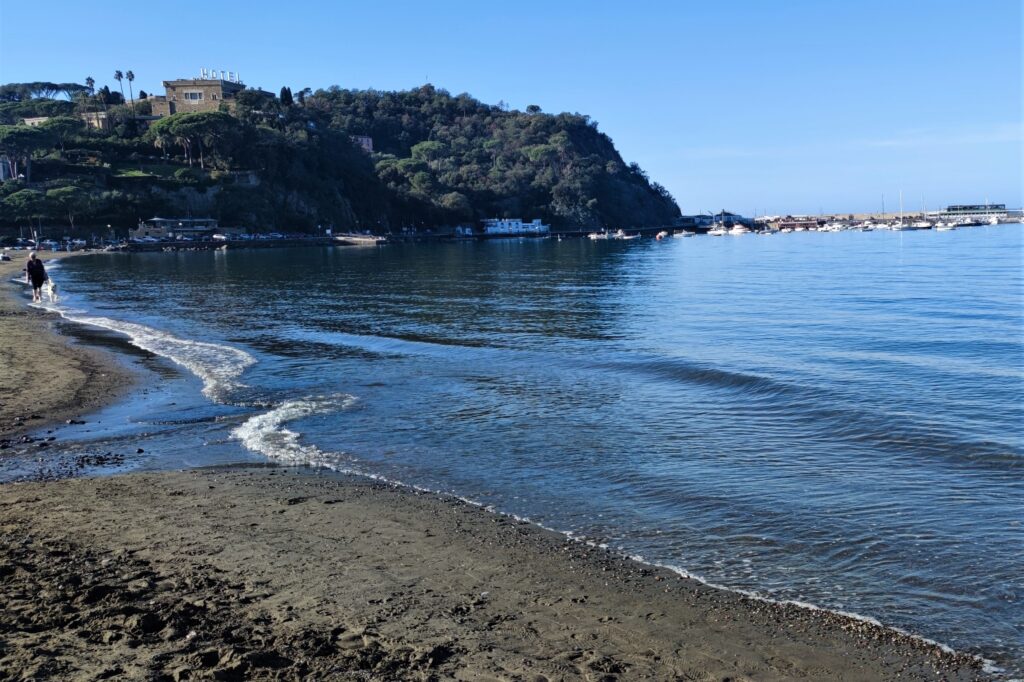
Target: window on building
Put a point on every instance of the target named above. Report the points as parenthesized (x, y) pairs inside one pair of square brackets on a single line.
[(195, 96)]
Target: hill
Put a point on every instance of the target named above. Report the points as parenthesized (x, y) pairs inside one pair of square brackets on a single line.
[(289, 162)]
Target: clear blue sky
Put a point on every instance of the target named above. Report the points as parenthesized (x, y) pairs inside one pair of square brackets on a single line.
[(774, 106)]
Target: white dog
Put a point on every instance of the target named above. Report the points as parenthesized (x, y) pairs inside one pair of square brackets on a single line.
[(50, 289)]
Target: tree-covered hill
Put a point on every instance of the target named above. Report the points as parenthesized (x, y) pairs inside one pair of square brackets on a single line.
[(477, 159), (289, 162)]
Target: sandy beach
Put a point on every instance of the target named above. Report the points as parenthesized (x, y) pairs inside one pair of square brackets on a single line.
[(45, 378), (278, 573), (263, 573)]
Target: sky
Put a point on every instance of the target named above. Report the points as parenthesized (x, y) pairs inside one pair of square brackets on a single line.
[(766, 107)]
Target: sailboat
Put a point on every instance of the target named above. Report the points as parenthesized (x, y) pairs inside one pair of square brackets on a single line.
[(901, 226)]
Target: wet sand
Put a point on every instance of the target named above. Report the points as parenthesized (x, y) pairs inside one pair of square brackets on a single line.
[(46, 378), (267, 573)]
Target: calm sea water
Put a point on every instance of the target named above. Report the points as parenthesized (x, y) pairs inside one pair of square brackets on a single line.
[(829, 418)]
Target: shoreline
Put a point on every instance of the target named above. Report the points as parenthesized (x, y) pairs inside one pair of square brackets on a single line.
[(249, 571), (834, 637), (47, 377)]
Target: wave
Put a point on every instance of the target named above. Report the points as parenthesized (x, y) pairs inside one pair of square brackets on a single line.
[(265, 433), (218, 366), (681, 370), (826, 414)]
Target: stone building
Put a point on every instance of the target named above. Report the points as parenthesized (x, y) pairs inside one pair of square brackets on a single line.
[(195, 94), (97, 120)]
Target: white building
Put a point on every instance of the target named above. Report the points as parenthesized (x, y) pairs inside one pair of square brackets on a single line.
[(980, 212), (497, 227)]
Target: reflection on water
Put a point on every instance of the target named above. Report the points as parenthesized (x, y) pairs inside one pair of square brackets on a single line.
[(833, 418)]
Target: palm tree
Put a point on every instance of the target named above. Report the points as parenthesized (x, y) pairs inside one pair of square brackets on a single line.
[(90, 83), (131, 76), (118, 76)]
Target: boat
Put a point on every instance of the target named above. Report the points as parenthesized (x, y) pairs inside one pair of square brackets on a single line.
[(661, 235), (354, 239), (739, 229), (945, 227), (994, 220), (514, 227), (921, 225), (900, 226), (598, 235), (684, 233), (786, 230), (718, 231), (800, 229)]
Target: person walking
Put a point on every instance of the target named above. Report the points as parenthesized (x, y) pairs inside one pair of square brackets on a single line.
[(35, 274)]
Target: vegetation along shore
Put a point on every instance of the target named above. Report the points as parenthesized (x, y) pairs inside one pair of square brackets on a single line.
[(78, 156)]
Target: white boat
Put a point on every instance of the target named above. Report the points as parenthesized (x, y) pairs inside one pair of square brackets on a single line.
[(921, 225), (684, 233), (799, 229), (994, 220), (739, 229), (944, 227), (786, 230), (598, 235), (900, 226), (718, 232)]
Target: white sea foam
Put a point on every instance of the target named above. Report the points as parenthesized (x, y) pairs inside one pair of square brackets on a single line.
[(218, 366), (265, 433)]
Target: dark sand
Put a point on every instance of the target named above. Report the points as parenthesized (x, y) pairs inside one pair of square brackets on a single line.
[(263, 573), (46, 378), (266, 573)]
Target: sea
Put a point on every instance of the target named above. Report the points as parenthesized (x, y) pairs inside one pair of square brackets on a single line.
[(829, 419)]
